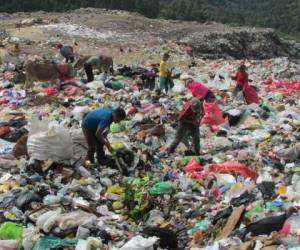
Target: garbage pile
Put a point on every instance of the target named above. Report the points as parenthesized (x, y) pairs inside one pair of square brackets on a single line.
[(242, 192)]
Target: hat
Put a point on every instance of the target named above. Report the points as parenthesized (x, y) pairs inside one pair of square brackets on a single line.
[(195, 104)]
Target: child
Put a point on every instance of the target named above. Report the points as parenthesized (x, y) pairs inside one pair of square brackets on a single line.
[(189, 122)]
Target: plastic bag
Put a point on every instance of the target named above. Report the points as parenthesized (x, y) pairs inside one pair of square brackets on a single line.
[(11, 231), (186, 159), (117, 145), (50, 242), (233, 166), (117, 127), (213, 116), (9, 245), (83, 245), (79, 111), (49, 142), (179, 87), (4, 130), (139, 243), (192, 166), (250, 94), (72, 91), (116, 85), (161, 188), (50, 91)]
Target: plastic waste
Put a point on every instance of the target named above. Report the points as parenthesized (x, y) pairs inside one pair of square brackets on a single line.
[(50, 242), (140, 243), (250, 94), (83, 245), (213, 116), (11, 231), (233, 166), (161, 188), (10, 244), (46, 142)]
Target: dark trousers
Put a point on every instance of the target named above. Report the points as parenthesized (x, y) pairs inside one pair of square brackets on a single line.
[(185, 130), (169, 84), (70, 59), (94, 145), (89, 72), (236, 90)]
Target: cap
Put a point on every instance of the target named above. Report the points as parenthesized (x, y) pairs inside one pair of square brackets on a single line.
[(195, 104)]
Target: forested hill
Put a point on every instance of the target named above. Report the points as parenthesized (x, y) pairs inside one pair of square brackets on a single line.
[(283, 15)]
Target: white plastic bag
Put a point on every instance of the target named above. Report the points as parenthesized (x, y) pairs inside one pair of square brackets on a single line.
[(9, 244), (140, 243), (95, 85), (83, 245), (79, 111), (49, 142), (179, 87)]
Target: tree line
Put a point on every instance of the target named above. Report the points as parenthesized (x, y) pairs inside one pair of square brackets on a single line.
[(278, 14)]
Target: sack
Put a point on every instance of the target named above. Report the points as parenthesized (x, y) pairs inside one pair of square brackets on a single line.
[(49, 142), (250, 94), (213, 116)]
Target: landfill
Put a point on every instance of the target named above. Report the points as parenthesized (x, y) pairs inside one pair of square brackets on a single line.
[(241, 192)]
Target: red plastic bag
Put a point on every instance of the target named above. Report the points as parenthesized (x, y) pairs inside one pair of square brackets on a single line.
[(50, 91), (250, 94), (72, 91), (4, 130), (193, 166), (233, 166), (213, 116)]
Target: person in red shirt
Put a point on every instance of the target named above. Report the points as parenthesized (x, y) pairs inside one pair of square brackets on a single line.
[(189, 122), (200, 91), (66, 51), (241, 79), (242, 84)]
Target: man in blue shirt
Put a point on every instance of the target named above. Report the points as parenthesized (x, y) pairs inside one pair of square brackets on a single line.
[(94, 126)]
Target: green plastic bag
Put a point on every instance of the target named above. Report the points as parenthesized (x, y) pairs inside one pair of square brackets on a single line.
[(116, 85), (11, 231), (160, 188), (117, 127), (186, 159), (50, 242), (296, 169), (117, 145)]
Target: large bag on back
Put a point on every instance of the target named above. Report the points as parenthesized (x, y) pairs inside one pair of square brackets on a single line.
[(213, 115), (250, 94)]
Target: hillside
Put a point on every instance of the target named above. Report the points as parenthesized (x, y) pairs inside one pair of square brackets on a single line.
[(112, 30), (278, 14)]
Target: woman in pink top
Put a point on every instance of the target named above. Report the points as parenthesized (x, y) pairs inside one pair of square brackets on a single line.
[(200, 91)]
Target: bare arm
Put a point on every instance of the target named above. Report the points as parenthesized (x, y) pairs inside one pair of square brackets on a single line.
[(102, 138)]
